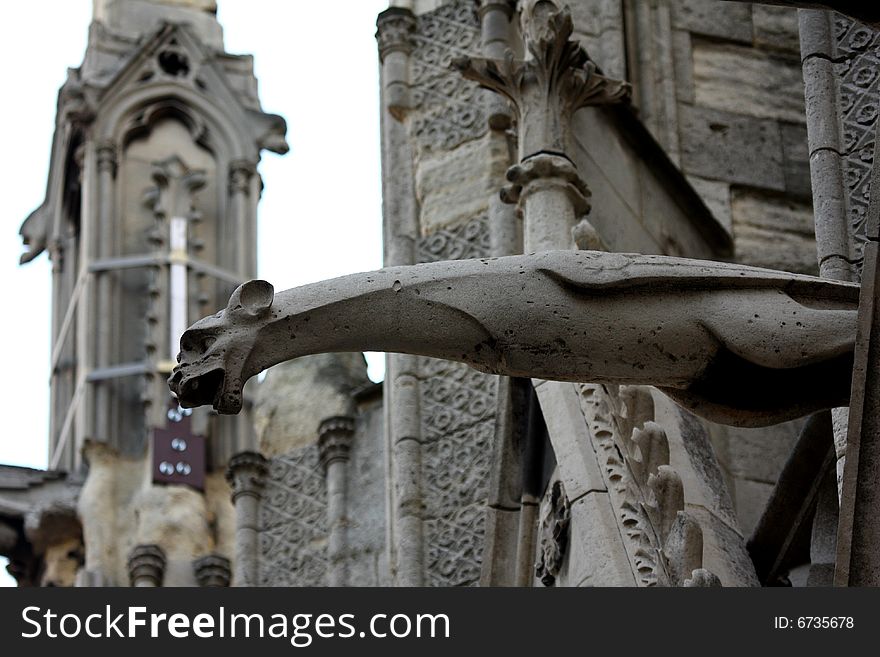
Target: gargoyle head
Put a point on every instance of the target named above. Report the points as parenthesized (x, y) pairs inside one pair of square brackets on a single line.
[(213, 363)]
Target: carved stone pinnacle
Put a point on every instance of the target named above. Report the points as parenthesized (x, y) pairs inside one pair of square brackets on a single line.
[(334, 439), (212, 570), (146, 565), (246, 473)]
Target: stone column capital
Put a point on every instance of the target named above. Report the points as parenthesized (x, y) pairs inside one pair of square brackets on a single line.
[(334, 439), (394, 29), (212, 570), (240, 174), (107, 157), (246, 474), (146, 563)]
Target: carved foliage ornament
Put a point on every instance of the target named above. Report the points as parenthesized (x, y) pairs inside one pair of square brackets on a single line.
[(547, 88), (554, 535)]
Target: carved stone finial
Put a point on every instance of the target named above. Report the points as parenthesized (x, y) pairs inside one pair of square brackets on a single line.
[(395, 27), (334, 439), (553, 535), (146, 565), (546, 89), (212, 570), (246, 474)]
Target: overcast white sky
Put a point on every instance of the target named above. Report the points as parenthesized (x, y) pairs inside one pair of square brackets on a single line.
[(321, 210)]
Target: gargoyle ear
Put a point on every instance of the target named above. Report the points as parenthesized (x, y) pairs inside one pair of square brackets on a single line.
[(253, 298)]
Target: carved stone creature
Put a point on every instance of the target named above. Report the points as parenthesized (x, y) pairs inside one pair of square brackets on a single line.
[(737, 345)]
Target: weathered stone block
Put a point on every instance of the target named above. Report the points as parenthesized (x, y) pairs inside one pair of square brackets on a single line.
[(773, 232), (748, 81), (776, 27), (731, 147), (796, 159), (716, 196), (454, 186), (596, 556), (728, 20)]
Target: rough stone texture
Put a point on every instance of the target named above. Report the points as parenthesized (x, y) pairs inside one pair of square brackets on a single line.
[(773, 231), (776, 28), (742, 80), (296, 396), (454, 187), (120, 508), (726, 20), (732, 147)]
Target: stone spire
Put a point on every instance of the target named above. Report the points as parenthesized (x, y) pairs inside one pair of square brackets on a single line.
[(136, 17)]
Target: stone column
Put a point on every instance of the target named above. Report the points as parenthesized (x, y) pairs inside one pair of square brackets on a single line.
[(395, 27), (244, 240), (106, 157), (146, 566), (556, 79), (212, 570), (400, 209), (246, 474), (334, 444)]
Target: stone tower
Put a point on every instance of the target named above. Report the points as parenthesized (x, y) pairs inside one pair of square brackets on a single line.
[(150, 222)]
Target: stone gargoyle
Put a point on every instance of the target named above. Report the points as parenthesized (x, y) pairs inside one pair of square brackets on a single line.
[(734, 344)]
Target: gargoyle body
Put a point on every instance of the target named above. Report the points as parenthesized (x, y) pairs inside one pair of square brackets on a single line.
[(735, 344)]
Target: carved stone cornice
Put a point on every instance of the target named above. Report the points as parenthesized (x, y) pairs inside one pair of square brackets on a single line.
[(543, 171), (212, 570), (240, 174), (395, 27), (146, 565), (549, 86), (334, 439), (246, 473), (106, 156)]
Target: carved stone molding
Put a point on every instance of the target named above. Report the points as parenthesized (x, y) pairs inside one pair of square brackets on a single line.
[(545, 171), (246, 474), (553, 535), (212, 570), (663, 541), (107, 158), (547, 88), (395, 27), (146, 565), (334, 439)]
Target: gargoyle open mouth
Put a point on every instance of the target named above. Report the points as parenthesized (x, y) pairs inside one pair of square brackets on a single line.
[(198, 390)]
